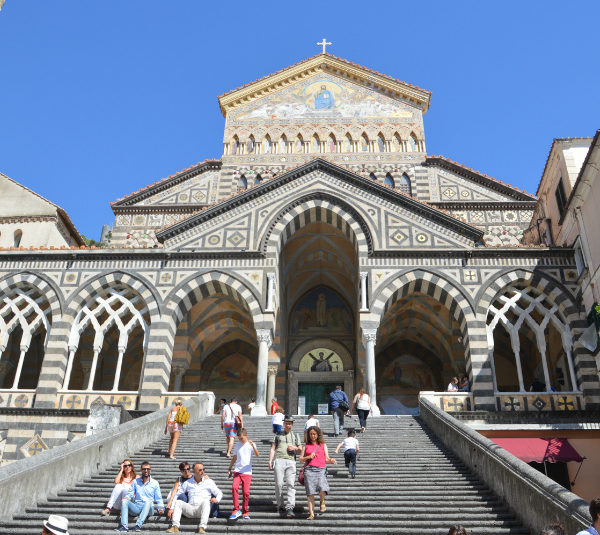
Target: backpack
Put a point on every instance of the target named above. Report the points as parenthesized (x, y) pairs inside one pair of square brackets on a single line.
[(182, 416)]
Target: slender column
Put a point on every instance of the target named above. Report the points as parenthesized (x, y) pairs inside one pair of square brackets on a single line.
[(264, 343), (270, 291), (72, 351), (271, 375), (179, 372), (369, 338), (542, 349), (90, 385), (493, 366), (115, 387), (19, 367), (363, 291), (572, 371), (519, 370)]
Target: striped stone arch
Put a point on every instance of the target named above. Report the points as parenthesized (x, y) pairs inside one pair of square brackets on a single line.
[(553, 289), (558, 294), (429, 284), (313, 208), (198, 287), (45, 287), (109, 280)]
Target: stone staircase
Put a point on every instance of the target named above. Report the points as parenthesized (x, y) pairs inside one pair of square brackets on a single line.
[(406, 483)]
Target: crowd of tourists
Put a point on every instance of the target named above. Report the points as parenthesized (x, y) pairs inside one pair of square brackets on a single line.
[(196, 495)]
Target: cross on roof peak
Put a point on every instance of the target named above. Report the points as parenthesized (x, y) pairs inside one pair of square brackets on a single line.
[(324, 44)]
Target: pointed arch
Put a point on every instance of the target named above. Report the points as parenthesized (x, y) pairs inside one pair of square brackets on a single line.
[(348, 143), (17, 237), (373, 177), (404, 185), (257, 179), (364, 142), (397, 143), (413, 143), (331, 143), (282, 145), (250, 145), (267, 145), (389, 181), (242, 183), (299, 144), (380, 142), (315, 144), (235, 145)]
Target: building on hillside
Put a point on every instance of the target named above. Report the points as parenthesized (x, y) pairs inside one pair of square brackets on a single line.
[(324, 247)]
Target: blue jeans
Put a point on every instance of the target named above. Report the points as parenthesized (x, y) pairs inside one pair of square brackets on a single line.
[(338, 421), (141, 509), (350, 461)]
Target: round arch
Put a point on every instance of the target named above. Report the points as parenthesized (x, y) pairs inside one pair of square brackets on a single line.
[(309, 345), (316, 207)]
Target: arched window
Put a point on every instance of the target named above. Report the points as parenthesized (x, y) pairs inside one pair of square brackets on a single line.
[(413, 143), (235, 145), (364, 143), (282, 144), (257, 180), (250, 145), (299, 145), (348, 145), (315, 144), (381, 143), (242, 183), (405, 184), (373, 177), (389, 181), (267, 145), (331, 144), (397, 143), (18, 236)]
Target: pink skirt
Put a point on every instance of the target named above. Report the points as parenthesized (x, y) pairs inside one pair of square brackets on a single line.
[(174, 427)]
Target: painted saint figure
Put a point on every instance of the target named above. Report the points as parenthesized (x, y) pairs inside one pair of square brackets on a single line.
[(322, 363), (322, 310), (324, 99)]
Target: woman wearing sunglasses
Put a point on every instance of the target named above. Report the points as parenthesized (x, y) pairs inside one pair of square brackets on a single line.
[(123, 481), (186, 474)]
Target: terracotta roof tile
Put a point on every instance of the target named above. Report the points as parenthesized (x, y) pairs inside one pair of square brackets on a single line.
[(316, 56)]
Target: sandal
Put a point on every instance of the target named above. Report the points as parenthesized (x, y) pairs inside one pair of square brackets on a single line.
[(323, 507), (310, 517)]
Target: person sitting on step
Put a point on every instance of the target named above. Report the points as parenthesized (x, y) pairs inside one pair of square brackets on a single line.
[(123, 481), (201, 493), (142, 494)]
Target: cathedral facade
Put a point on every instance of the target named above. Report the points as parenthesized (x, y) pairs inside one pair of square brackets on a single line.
[(325, 247)]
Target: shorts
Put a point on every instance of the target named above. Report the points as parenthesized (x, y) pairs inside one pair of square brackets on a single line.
[(174, 427), (229, 430)]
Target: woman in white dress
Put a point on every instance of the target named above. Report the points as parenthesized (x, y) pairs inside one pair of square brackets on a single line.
[(123, 481), (362, 404)]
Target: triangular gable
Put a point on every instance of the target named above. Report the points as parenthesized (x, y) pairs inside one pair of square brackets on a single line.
[(485, 188), (325, 63), (183, 188), (393, 220)]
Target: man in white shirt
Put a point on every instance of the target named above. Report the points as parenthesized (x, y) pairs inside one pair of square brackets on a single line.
[(200, 492), (241, 464), (228, 423)]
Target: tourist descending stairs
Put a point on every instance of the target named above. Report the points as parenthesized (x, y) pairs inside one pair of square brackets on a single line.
[(406, 483)]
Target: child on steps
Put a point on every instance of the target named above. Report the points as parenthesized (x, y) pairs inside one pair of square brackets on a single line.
[(351, 450)]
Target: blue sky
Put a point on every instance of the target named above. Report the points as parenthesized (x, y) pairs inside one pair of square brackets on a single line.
[(98, 99)]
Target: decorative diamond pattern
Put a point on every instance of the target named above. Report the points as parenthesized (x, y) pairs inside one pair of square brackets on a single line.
[(539, 403), (236, 238), (398, 236)]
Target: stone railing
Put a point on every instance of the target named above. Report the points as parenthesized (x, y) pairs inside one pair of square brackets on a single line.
[(534, 497), (28, 481), (449, 401), (82, 399), (539, 401)]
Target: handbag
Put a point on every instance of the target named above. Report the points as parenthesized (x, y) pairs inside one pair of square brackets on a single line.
[(237, 420), (344, 405), (301, 473)]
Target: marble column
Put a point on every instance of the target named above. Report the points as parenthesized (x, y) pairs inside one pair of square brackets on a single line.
[(363, 291), (24, 349), (72, 351), (264, 343), (369, 338), (271, 376), (115, 387)]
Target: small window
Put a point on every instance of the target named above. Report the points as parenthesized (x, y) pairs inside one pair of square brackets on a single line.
[(250, 145), (373, 177), (381, 143), (579, 258), (397, 143), (267, 145), (413, 143), (299, 145), (331, 144), (364, 143), (405, 184), (283, 145), (18, 236), (242, 183), (235, 144), (561, 197), (257, 180), (348, 146), (389, 181), (316, 144)]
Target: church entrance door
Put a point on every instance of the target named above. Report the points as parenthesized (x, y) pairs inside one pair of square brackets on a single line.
[(316, 396)]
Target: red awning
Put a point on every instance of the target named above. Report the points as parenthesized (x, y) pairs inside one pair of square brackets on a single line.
[(540, 449)]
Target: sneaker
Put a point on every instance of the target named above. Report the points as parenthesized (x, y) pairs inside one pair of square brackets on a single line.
[(173, 529), (235, 515), (246, 517), (137, 528), (289, 513), (122, 528), (353, 476)]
